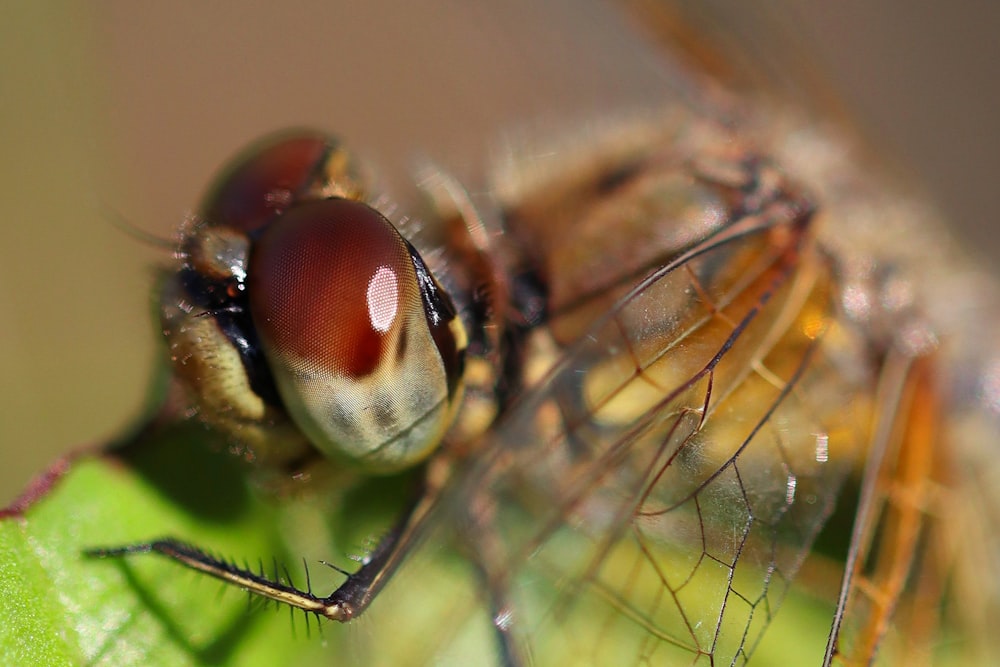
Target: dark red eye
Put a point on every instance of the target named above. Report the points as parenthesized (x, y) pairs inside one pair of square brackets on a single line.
[(276, 173), (328, 283), (338, 306), (294, 299)]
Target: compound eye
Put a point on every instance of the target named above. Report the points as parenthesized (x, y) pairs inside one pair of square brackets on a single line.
[(335, 298), (330, 283), (276, 173)]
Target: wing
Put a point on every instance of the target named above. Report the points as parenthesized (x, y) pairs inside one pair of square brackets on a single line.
[(650, 499), (680, 460), (919, 587), (670, 474)]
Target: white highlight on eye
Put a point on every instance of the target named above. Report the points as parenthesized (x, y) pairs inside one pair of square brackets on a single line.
[(383, 298)]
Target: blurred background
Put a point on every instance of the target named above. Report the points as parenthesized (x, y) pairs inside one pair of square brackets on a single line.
[(111, 109)]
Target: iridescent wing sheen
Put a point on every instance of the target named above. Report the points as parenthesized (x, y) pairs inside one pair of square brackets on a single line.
[(651, 497), (682, 477), (690, 449), (927, 511)]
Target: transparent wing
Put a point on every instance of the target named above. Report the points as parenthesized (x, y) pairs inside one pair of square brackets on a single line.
[(650, 500), (923, 585), (686, 454)]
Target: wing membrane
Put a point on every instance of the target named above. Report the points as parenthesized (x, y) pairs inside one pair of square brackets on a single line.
[(652, 497)]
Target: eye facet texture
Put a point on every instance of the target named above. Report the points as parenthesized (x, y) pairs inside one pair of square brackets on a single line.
[(336, 301)]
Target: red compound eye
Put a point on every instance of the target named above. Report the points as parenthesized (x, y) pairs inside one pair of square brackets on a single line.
[(269, 178), (265, 181), (329, 283), (277, 173), (337, 303)]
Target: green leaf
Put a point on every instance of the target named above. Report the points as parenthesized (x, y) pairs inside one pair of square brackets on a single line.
[(61, 608), (58, 607)]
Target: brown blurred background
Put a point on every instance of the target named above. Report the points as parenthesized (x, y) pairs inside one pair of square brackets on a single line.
[(113, 107)]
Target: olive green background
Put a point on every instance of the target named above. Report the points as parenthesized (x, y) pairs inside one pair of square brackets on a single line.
[(111, 109)]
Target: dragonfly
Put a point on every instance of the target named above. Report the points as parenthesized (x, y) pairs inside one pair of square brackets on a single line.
[(660, 359)]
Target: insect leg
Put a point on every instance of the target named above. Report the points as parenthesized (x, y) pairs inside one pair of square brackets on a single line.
[(349, 600)]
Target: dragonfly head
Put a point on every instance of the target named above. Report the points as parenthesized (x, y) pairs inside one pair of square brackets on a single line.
[(301, 315)]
